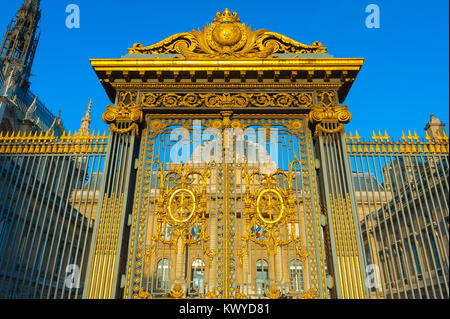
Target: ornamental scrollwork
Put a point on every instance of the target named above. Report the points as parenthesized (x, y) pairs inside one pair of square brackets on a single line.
[(181, 207), (239, 100), (270, 206), (227, 38), (328, 111), (126, 111), (176, 292)]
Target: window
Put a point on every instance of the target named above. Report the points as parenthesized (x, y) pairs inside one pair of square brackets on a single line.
[(435, 251), (262, 275), (297, 282), (198, 276), (162, 274), (416, 257)]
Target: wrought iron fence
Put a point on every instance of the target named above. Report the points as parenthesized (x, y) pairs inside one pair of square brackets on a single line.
[(50, 190), (402, 192), (48, 197)]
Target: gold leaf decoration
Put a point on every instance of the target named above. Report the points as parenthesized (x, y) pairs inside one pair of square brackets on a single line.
[(227, 38), (227, 100)]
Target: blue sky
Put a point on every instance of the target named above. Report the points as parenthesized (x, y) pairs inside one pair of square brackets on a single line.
[(404, 78)]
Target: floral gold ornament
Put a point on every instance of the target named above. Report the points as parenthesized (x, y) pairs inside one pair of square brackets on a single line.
[(309, 295), (228, 38), (126, 111), (239, 100), (271, 207), (328, 111), (144, 294), (273, 292), (176, 292), (181, 207)]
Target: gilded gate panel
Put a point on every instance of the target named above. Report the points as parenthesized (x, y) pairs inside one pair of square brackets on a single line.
[(229, 214)]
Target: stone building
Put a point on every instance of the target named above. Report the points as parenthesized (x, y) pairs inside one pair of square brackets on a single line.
[(20, 109)]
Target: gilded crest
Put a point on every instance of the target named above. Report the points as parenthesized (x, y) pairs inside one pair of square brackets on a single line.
[(227, 38)]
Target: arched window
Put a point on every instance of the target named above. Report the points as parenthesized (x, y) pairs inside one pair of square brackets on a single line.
[(197, 276), (296, 277), (262, 275), (162, 274)]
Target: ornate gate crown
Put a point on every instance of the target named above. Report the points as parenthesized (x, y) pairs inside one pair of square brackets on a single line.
[(227, 38)]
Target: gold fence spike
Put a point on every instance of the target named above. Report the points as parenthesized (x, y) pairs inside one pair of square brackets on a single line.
[(357, 137), (350, 137), (427, 136), (445, 137), (374, 137)]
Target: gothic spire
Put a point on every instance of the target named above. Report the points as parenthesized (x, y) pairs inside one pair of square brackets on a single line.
[(86, 121), (20, 41)]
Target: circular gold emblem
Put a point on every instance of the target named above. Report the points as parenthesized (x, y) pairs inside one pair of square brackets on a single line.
[(227, 34), (226, 38), (270, 206), (182, 205)]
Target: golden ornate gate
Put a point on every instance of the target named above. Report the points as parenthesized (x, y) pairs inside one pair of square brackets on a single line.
[(226, 221), (214, 132)]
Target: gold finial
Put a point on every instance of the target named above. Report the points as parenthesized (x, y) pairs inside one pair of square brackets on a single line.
[(415, 136), (374, 136), (403, 136), (350, 136), (357, 137), (227, 16), (386, 136), (427, 136)]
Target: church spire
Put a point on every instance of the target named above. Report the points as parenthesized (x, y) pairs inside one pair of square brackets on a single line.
[(20, 42), (86, 121)]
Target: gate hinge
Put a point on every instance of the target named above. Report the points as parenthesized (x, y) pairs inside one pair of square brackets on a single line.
[(123, 279), (136, 163)]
